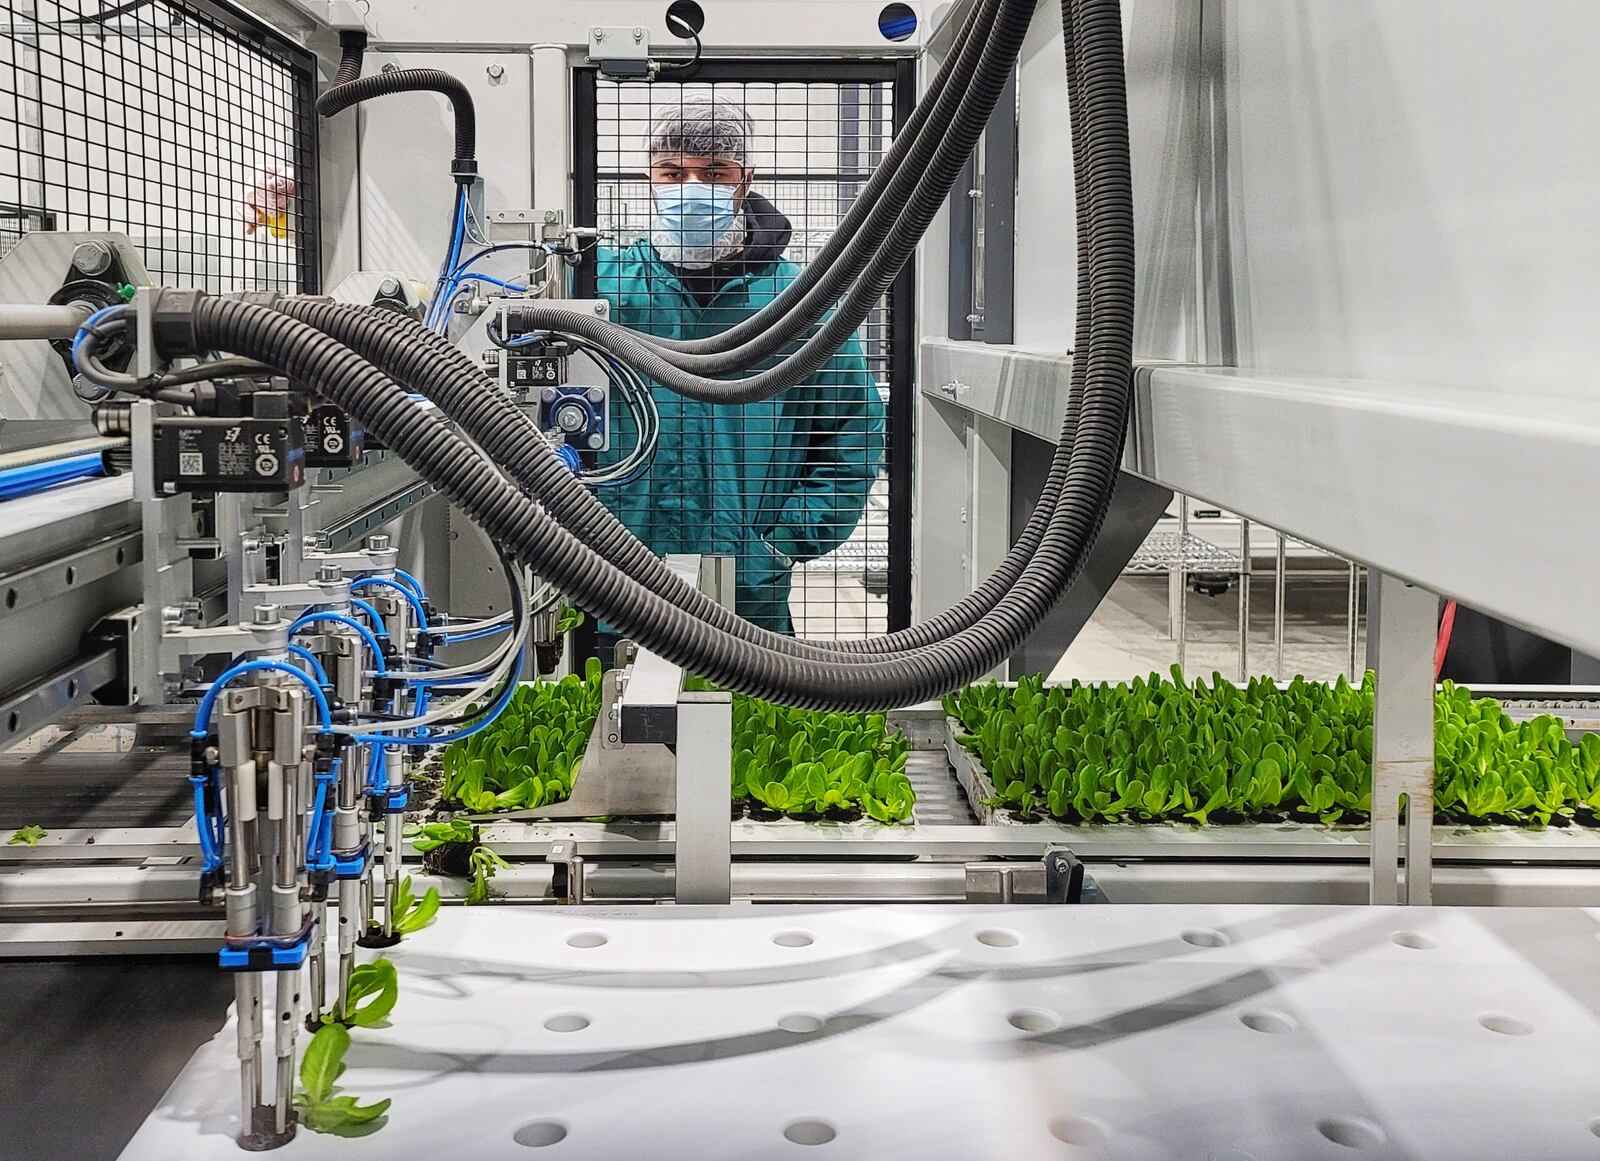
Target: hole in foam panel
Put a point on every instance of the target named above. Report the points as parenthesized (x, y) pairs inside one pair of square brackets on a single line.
[(999, 937), (1351, 1132), (539, 1134), (1079, 1131), (810, 1131)]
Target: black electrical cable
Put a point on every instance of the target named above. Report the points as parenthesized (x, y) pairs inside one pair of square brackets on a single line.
[(345, 93), (163, 386), (686, 69), (352, 48), (999, 52), (424, 361), (850, 240), (533, 538), (456, 384)]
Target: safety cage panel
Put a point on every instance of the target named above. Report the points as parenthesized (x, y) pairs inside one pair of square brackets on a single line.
[(185, 125), (820, 128)]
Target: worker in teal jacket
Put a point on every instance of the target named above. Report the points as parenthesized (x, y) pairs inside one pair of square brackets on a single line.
[(773, 484)]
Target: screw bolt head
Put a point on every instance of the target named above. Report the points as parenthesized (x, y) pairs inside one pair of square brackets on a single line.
[(265, 615), (92, 257)]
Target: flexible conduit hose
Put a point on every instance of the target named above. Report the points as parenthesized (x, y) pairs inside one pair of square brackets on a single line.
[(421, 360), (514, 520), (999, 52), (848, 236), (950, 100), (352, 89), (352, 48), (425, 362)]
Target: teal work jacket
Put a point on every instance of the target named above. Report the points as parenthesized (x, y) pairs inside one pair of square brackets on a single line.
[(774, 483)]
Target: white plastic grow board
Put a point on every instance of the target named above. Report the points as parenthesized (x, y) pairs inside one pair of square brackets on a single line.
[(933, 1032)]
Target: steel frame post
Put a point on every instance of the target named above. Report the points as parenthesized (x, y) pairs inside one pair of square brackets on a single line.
[(703, 832), (1279, 583), (1178, 586), (1244, 601), (1403, 742)]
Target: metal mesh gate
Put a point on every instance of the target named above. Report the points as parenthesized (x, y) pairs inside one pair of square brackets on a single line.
[(183, 124), (810, 492)]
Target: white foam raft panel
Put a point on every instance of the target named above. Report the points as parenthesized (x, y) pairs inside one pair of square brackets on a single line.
[(1227, 1033)]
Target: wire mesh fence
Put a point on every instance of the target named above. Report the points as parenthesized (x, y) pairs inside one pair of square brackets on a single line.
[(182, 124), (797, 489)]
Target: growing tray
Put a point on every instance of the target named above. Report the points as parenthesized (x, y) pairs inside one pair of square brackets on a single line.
[(974, 779)]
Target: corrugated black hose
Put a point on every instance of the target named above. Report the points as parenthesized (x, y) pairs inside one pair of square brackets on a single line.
[(352, 48), (999, 53), (948, 100), (351, 88), (531, 536)]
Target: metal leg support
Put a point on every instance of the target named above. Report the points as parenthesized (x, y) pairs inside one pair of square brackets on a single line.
[(1244, 601), (1353, 615), (1279, 584), (1180, 598), (704, 830), (1403, 743)]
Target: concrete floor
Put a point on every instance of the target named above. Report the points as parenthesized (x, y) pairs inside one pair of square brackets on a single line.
[(1128, 636)]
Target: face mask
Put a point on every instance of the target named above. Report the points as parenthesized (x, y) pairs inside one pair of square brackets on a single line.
[(693, 224)]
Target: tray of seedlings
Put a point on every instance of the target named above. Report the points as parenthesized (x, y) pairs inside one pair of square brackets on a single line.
[(1166, 751), (787, 763)]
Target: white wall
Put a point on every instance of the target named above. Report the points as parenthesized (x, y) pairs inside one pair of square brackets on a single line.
[(1161, 39), (1412, 189)]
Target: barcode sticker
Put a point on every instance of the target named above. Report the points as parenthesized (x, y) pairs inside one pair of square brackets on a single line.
[(191, 464)]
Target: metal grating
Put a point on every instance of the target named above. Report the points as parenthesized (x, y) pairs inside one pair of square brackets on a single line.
[(182, 124), (816, 144)]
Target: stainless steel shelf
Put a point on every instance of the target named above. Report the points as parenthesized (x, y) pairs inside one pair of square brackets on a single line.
[(1164, 551)]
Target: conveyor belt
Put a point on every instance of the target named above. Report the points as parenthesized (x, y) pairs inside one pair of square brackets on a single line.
[(92, 1045), (940, 799), (101, 776)]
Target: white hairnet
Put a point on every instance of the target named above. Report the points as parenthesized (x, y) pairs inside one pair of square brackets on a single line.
[(704, 126)]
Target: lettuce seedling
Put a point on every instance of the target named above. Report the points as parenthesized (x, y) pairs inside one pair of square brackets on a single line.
[(1163, 749), (374, 989), (530, 755), (484, 864), (320, 1109), (28, 836), (414, 914), (431, 836)]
